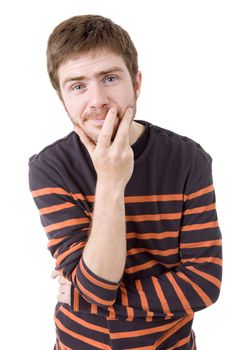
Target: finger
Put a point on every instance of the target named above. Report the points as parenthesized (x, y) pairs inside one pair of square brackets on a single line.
[(55, 273), (63, 299), (105, 135), (62, 280), (62, 289), (60, 298), (122, 134), (88, 143)]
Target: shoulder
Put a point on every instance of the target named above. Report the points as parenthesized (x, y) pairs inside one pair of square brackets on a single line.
[(180, 144), (56, 150)]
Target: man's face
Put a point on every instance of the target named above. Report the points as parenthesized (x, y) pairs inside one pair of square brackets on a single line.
[(92, 83)]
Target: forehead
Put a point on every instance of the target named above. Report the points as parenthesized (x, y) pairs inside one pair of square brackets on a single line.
[(90, 63)]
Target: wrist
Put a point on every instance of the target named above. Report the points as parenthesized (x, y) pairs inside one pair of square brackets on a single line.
[(110, 187)]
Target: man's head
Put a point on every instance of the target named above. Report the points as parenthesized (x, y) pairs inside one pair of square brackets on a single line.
[(92, 64)]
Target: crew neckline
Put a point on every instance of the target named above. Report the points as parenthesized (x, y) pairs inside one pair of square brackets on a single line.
[(141, 142)]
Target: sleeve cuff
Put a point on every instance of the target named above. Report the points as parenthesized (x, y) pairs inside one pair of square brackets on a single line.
[(93, 288)]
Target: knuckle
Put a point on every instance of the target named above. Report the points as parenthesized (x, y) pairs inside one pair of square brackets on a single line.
[(105, 134), (115, 154)]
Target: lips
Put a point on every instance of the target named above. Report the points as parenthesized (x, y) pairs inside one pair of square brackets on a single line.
[(98, 121)]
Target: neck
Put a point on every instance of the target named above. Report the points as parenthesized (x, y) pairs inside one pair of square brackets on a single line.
[(136, 130)]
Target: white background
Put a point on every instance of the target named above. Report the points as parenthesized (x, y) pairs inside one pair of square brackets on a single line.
[(186, 58)]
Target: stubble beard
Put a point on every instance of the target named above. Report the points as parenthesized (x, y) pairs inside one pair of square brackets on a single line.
[(94, 135)]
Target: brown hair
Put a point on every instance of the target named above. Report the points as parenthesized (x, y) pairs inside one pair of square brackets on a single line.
[(81, 34)]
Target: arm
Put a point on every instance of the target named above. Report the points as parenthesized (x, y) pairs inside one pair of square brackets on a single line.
[(67, 223), (108, 234), (195, 284)]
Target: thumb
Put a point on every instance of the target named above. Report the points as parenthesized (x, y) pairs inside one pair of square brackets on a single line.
[(88, 143)]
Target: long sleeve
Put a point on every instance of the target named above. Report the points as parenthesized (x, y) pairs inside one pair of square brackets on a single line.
[(195, 284), (66, 223)]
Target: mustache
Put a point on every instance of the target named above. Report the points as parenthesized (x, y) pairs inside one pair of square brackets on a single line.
[(101, 115)]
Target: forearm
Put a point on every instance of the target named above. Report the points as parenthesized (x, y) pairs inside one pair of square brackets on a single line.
[(105, 251)]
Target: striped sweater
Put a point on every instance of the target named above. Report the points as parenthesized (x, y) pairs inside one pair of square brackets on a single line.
[(174, 254)]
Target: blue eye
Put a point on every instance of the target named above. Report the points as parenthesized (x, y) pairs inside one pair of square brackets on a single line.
[(114, 78), (75, 86)]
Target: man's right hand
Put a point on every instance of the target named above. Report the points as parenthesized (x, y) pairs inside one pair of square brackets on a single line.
[(113, 161)]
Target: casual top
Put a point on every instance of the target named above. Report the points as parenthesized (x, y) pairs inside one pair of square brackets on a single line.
[(174, 255)]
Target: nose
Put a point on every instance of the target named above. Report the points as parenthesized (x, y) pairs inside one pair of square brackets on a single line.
[(98, 97)]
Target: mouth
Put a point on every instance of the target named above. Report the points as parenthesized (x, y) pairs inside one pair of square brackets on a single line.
[(98, 121)]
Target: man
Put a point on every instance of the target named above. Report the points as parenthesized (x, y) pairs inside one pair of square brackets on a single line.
[(128, 207)]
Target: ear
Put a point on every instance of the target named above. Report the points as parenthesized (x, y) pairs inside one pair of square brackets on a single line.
[(138, 83)]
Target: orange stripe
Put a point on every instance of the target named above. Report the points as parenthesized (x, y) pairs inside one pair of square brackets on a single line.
[(153, 235), (112, 313), (54, 241), (88, 198), (205, 275), (172, 331), (93, 296), (141, 267), (128, 199), (210, 224), (161, 297), (166, 252), (58, 190), (141, 199), (73, 275), (181, 342), (143, 299), (71, 250), (125, 302), (66, 223), (153, 217), (94, 309), (143, 332), (55, 208), (76, 299), (154, 198), (86, 324), (210, 259), (88, 293), (216, 242), (61, 345), (95, 281), (75, 335), (49, 190), (147, 265), (179, 292), (199, 193), (200, 209), (199, 291)]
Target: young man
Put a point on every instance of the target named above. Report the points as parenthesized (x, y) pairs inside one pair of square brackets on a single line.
[(128, 207)]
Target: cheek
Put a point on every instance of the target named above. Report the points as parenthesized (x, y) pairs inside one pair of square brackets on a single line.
[(73, 109)]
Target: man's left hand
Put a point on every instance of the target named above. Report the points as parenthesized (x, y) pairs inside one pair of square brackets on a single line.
[(64, 288)]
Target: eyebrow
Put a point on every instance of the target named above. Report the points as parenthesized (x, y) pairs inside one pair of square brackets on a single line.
[(96, 75)]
